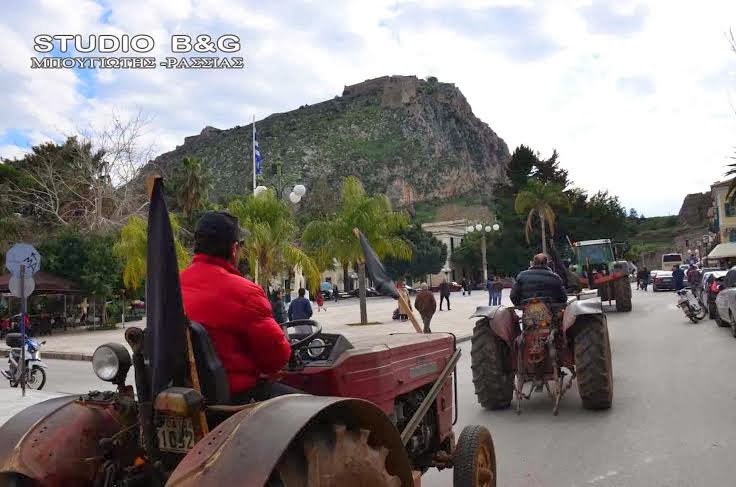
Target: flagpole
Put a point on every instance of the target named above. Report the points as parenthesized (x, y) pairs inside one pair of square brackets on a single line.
[(254, 153)]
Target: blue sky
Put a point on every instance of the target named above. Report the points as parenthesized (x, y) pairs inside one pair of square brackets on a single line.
[(637, 96)]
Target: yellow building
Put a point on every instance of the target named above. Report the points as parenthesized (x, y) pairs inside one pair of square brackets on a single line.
[(724, 212)]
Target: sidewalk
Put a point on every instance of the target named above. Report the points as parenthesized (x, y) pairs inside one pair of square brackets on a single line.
[(13, 402), (81, 344)]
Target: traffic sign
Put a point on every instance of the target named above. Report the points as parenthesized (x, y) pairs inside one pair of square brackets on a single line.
[(23, 254), (14, 286)]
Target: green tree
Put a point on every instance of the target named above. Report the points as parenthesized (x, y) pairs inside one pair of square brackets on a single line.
[(372, 215), (131, 248), (271, 248), (191, 181), (428, 255), (540, 199)]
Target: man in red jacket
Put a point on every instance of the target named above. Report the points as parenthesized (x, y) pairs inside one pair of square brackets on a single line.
[(234, 311)]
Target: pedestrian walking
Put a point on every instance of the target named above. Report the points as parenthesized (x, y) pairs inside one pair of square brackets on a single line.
[(497, 288), (694, 277), (320, 300), (426, 305), (278, 307), (679, 276), (489, 288), (445, 293), (335, 293), (463, 285), (300, 308), (404, 304)]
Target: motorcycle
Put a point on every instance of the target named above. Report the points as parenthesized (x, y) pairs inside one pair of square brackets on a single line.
[(689, 304), (34, 370)]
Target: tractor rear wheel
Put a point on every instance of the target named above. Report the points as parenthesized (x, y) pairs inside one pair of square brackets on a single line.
[(493, 376), (622, 294), (333, 456), (593, 362), (475, 459)]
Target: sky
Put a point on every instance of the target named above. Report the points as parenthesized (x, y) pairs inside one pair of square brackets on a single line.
[(638, 97)]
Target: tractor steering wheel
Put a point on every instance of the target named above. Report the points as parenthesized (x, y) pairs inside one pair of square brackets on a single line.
[(299, 344)]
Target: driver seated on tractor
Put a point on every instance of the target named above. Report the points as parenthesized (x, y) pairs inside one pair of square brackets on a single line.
[(234, 311), (539, 281)]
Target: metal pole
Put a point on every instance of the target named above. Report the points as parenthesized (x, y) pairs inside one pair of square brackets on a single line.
[(483, 251), (23, 329), (254, 152)]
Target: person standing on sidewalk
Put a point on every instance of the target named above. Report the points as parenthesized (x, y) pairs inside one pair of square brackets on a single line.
[(489, 288), (426, 305), (278, 307), (405, 304), (497, 290), (335, 293), (300, 308), (445, 293)]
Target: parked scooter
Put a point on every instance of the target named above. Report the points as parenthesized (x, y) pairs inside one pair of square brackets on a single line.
[(689, 304), (35, 369)]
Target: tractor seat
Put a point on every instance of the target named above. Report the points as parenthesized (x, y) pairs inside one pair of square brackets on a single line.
[(212, 375)]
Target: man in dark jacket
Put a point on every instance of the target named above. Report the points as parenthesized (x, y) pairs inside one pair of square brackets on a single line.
[(426, 305), (278, 306), (445, 293), (234, 311), (679, 276), (300, 308), (538, 281)]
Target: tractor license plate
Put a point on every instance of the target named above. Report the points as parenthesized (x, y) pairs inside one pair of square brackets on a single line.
[(175, 434)]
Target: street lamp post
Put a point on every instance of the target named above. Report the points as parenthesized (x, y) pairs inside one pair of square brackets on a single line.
[(298, 190), (479, 227)]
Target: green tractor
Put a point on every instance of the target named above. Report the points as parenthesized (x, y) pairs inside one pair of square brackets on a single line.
[(598, 268)]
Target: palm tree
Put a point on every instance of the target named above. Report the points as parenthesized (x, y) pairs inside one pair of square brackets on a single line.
[(540, 199), (333, 238), (132, 246), (270, 247), (192, 181)]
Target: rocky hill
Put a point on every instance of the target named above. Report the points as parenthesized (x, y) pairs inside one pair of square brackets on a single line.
[(694, 209), (413, 139)]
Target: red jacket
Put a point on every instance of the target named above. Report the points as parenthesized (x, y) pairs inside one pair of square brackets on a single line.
[(238, 319)]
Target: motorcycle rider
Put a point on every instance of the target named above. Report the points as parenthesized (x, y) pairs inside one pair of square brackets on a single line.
[(538, 281), (234, 311)]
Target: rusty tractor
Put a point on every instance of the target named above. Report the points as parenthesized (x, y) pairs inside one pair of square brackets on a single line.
[(547, 347), (598, 269), (380, 412)]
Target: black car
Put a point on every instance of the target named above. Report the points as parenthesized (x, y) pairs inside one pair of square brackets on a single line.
[(663, 280)]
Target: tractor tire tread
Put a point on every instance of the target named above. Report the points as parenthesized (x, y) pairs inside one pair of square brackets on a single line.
[(493, 376), (471, 440), (593, 363)]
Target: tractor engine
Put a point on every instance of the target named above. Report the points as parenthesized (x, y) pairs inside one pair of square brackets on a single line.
[(424, 436)]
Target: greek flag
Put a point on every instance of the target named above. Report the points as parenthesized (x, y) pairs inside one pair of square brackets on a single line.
[(257, 153)]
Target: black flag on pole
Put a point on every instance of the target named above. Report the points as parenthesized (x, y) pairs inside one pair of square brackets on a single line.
[(165, 321), (373, 266)]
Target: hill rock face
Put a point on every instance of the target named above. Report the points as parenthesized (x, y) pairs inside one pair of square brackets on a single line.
[(694, 210), (412, 139)]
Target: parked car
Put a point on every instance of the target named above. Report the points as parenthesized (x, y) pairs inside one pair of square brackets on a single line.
[(663, 280), (702, 290), (713, 287), (726, 301), (370, 292)]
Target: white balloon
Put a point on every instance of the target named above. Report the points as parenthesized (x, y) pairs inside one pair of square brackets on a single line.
[(478, 227), (496, 227), (259, 190), (300, 190), (488, 228), (294, 198)]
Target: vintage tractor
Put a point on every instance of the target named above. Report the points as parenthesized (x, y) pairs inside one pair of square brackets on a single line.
[(547, 344), (597, 268), (381, 415)]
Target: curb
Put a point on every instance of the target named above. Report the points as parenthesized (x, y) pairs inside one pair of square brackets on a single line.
[(57, 355), (88, 358)]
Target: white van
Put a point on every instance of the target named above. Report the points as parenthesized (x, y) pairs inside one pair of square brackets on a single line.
[(671, 260)]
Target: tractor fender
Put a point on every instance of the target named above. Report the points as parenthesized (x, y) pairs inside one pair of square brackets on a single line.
[(577, 308), (503, 321), (248, 445), (56, 442)]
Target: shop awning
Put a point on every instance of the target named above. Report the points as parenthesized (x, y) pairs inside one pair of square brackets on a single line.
[(45, 284), (723, 251)]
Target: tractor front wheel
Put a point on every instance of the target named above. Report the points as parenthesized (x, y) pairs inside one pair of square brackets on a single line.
[(593, 362), (493, 377), (622, 294), (333, 456), (474, 459)]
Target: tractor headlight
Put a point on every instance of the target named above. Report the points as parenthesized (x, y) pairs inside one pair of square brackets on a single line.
[(316, 348), (111, 362)]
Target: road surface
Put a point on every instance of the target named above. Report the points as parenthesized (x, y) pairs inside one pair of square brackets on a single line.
[(673, 421)]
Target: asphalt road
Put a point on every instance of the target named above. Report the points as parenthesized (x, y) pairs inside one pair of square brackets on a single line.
[(673, 420)]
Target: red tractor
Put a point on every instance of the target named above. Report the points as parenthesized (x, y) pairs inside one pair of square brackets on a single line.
[(548, 347), (381, 412)]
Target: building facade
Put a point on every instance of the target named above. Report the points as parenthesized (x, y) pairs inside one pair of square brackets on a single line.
[(724, 213), (451, 233)]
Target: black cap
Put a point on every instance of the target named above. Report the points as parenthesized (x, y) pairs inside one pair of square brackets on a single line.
[(220, 225)]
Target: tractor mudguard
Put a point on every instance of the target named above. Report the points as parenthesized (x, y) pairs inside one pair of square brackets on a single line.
[(56, 442), (503, 322), (249, 444), (577, 308)]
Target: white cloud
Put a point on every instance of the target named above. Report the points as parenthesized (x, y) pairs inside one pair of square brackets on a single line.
[(636, 99)]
